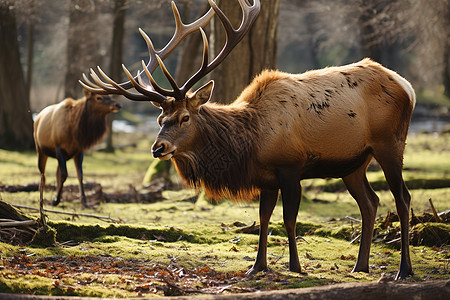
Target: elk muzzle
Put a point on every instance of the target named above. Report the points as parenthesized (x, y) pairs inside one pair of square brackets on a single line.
[(116, 107), (162, 150)]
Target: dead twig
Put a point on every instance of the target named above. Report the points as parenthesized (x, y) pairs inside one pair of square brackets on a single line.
[(103, 218), (353, 219), (436, 216)]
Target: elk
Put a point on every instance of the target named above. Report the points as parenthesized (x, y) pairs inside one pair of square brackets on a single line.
[(66, 130), (282, 128)]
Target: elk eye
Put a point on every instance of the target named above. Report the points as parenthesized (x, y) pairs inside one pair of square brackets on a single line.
[(185, 119), (98, 98)]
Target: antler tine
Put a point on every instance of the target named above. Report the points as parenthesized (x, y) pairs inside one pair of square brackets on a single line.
[(115, 88), (89, 85), (148, 93), (92, 87), (147, 86), (233, 36), (182, 30), (200, 72), (153, 83)]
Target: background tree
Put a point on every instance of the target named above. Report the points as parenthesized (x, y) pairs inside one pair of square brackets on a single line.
[(432, 42), (15, 115), (116, 59), (82, 44), (257, 50)]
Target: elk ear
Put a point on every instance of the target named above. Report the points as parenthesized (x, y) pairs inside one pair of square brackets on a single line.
[(87, 93), (157, 104), (202, 95)]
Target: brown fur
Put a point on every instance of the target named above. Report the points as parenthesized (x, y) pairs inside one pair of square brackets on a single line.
[(67, 129), (222, 173), (288, 127)]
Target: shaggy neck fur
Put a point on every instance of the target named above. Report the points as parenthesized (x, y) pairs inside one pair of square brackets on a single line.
[(89, 126), (222, 160)]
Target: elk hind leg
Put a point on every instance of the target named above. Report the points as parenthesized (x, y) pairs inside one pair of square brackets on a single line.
[(368, 201), (61, 175), (291, 193), (78, 159), (268, 200), (392, 167)]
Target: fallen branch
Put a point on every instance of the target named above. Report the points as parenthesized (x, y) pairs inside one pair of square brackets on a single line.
[(17, 223), (103, 218)]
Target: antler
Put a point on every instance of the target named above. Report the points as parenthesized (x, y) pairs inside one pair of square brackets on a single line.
[(146, 86)]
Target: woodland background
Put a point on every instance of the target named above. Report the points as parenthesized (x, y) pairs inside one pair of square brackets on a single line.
[(46, 45)]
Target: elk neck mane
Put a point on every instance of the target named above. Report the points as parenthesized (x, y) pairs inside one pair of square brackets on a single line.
[(88, 127), (221, 162)]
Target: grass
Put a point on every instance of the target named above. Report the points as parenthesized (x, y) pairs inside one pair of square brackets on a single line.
[(204, 235)]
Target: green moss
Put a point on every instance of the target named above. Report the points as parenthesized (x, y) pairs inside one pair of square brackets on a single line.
[(430, 234), (157, 169), (79, 232), (45, 236)]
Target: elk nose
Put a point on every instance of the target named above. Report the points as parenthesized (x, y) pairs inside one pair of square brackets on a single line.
[(158, 151)]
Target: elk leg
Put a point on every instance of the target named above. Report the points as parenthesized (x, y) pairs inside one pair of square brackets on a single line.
[(61, 174), (392, 169), (368, 201), (291, 193), (267, 202), (42, 161), (78, 159)]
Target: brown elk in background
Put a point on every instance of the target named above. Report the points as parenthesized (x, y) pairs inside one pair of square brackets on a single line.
[(283, 128), (66, 130)]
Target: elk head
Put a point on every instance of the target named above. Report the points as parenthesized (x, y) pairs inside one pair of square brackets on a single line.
[(179, 118), (102, 104)]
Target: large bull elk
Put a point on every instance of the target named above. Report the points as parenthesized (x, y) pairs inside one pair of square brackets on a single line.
[(66, 130), (283, 128)]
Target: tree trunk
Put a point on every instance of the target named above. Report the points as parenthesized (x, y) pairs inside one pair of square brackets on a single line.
[(446, 71), (369, 41), (82, 44), (16, 124), (30, 52), (116, 60), (257, 50)]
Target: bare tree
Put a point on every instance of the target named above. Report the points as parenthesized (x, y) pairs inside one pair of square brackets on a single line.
[(16, 130)]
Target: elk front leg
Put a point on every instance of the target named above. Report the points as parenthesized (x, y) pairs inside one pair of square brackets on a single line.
[(78, 159), (61, 174), (291, 193), (267, 202), (42, 161)]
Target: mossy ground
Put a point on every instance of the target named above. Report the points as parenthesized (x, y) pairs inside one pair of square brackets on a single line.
[(177, 234)]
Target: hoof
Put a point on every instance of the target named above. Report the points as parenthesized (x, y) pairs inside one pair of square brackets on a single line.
[(254, 270), (403, 275), (56, 201), (360, 269), (298, 270)]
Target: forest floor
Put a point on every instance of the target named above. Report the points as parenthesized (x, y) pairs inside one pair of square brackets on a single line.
[(162, 240)]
